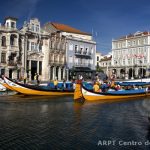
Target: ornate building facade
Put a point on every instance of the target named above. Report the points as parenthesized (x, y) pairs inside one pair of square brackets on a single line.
[(51, 51), (57, 56), (31, 50), (10, 50)]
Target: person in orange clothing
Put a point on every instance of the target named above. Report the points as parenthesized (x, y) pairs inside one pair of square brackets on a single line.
[(96, 87)]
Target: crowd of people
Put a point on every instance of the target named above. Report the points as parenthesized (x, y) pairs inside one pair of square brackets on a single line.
[(100, 85)]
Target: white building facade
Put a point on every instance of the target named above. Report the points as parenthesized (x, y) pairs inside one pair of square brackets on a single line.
[(131, 55)]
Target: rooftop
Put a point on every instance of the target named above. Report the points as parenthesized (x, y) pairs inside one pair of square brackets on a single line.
[(66, 28)]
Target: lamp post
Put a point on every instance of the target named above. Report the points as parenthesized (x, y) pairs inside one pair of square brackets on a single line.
[(67, 72)]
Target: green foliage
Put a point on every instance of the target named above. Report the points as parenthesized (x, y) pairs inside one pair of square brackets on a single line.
[(98, 69)]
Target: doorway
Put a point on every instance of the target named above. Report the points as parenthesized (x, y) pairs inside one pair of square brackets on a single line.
[(33, 69)]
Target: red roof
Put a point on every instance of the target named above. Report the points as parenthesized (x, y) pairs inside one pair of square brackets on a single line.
[(135, 34), (67, 28)]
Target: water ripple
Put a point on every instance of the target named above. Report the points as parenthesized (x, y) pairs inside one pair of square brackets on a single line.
[(33, 123)]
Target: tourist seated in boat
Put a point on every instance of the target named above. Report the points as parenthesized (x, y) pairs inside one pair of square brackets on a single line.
[(96, 87), (117, 87), (112, 84), (135, 87), (148, 87), (104, 87)]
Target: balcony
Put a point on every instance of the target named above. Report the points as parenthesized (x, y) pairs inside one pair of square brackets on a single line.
[(12, 63), (83, 54), (3, 28)]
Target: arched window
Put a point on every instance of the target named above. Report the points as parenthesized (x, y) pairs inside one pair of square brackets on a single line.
[(13, 39), (3, 41)]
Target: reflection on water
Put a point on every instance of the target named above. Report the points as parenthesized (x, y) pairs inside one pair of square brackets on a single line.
[(40, 122)]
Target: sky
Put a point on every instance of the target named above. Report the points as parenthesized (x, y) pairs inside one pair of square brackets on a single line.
[(104, 19)]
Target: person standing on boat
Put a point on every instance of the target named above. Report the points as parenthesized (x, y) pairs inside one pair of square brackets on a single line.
[(55, 83), (25, 78), (37, 79)]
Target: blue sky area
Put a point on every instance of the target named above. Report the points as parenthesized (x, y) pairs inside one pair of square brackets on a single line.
[(106, 19)]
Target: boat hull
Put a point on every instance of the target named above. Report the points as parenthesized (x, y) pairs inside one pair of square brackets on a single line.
[(83, 93), (30, 91)]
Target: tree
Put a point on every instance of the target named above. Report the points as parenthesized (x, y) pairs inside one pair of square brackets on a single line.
[(98, 69)]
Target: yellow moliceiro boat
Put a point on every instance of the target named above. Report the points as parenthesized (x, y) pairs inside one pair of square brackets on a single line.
[(83, 93), (36, 90)]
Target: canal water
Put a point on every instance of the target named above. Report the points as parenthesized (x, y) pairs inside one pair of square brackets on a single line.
[(44, 123)]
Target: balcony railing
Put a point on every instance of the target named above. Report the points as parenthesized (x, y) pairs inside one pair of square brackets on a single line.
[(56, 62), (82, 53), (82, 65)]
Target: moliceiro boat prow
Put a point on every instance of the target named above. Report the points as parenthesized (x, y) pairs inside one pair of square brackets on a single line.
[(3, 83), (77, 93), (81, 92)]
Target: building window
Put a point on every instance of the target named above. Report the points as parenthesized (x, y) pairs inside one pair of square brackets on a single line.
[(86, 51), (76, 48), (145, 61), (97, 58), (3, 41), (144, 40), (129, 44), (37, 28), (139, 42), (133, 43), (32, 46), (123, 44), (12, 40), (3, 58), (12, 25), (35, 47), (2, 71), (129, 61), (32, 27), (81, 50)]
